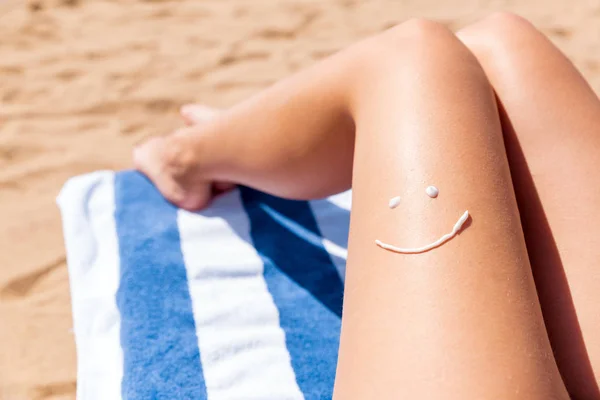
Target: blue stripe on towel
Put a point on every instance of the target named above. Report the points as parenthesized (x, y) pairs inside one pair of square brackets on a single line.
[(305, 286), (158, 333)]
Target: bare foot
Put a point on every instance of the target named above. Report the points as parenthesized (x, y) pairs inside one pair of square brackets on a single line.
[(170, 163)]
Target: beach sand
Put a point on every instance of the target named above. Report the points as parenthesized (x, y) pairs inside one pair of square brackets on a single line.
[(82, 81)]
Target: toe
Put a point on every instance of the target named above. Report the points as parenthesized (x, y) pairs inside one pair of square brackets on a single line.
[(146, 157), (161, 161), (150, 159), (196, 114)]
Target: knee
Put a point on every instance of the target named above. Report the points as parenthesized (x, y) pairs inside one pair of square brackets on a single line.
[(420, 37), (499, 35), (504, 20), (416, 45), (419, 29), (415, 55)]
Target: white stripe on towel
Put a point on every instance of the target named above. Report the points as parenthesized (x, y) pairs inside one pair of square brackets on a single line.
[(242, 346), (87, 205), (342, 200)]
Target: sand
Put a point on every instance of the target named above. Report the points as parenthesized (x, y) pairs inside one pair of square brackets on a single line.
[(82, 81)]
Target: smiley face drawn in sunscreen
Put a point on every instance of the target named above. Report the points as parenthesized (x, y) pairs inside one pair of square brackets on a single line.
[(432, 192)]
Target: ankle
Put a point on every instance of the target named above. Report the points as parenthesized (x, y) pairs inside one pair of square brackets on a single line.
[(201, 151)]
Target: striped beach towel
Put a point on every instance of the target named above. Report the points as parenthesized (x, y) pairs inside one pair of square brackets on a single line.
[(240, 301)]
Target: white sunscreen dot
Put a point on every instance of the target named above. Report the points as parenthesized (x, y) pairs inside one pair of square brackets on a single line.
[(455, 229), (394, 202), (432, 191)]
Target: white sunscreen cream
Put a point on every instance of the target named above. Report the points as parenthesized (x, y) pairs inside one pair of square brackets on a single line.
[(394, 202), (428, 247), (432, 191)]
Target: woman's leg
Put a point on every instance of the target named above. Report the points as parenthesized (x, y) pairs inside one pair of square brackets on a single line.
[(552, 133), (280, 139), (461, 321)]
